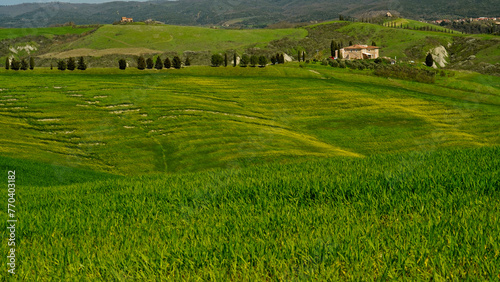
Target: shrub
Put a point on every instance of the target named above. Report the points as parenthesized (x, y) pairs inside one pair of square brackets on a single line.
[(141, 63), (262, 61), (15, 65), (122, 64), (217, 60), (7, 64), (254, 60), (406, 72), (429, 61), (245, 60), (24, 64), (187, 62)]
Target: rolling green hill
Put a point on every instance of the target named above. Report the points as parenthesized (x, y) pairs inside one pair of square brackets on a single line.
[(202, 117)]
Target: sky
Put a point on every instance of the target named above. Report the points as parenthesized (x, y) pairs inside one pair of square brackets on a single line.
[(15, 2)]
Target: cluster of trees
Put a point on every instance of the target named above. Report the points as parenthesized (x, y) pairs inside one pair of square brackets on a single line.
[(71, 64), (19, 65), (488, 27), (422, 28), (253, 60), (158, 64)]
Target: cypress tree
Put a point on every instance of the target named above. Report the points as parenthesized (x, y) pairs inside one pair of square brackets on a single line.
[(429, 61), (298, 57), (273, 60), (122, 64), (61, 65), (32, 63), (149, 63), (15, 65), (374, 44), (304, 56), (187, 62), (141, 63), (234, 59), (81, 64), (51, 67), (71, 64), (278, 58), (225, 59), (332, 49), (7, 63), (177, 63), (282, 58), (167, 63), (350, 43), (24, 64), (158, 64)]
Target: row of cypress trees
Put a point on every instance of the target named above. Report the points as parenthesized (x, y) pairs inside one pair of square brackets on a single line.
[(19, 65), (159, 64), (218, 60), (70, 64)]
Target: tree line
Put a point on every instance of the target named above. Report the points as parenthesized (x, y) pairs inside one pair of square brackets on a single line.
[(19, 65)]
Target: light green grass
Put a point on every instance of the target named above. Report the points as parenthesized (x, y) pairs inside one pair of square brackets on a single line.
[(9, 33), (415, 216), (181, 38), (196, 118)]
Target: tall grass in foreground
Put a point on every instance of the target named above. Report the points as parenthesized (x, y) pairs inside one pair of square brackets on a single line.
[(408, 216)]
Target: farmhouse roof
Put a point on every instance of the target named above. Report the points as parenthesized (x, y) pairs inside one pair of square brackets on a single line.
[(361, 47)]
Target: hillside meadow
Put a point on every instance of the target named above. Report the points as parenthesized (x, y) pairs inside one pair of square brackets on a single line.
[(288, 172)]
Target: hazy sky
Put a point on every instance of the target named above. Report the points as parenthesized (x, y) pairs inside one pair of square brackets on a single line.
[(15, 2)]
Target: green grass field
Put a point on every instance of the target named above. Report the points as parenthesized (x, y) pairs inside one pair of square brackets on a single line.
[(9, 33), (180, 38), (289, 172)]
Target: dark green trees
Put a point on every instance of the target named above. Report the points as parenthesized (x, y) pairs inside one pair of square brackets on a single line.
[(303, 56), (15, 65), (216, 60), (167, 63), (429, 61), (81, 64), (262, 61), (141, 63), (254, 60), (61, 65), (24, 64), (374, 44), (245, 60), (32, 63), (122, 64), (187, 62), (333, 47), (225, 59), (7, 63), (71, 64), (149, 63), (234, 60), (298, 56), (274, 61), (176, 62), (158, 63)]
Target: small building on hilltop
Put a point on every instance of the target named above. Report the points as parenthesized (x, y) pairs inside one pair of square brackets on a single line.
[(127, 20), (358, 52)]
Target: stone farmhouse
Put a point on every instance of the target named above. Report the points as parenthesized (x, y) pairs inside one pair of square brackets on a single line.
[(358, 52), (127, 20)]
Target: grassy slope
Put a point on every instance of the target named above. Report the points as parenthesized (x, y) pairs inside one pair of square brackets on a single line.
[(180, 38), (201, 117), (9, 33), (412, 216)]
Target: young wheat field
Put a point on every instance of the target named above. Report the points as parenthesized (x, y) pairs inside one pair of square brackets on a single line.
[(290, 172)]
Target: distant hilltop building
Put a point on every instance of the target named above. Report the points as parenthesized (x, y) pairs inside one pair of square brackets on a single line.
[(127, 20), (358, 52)]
